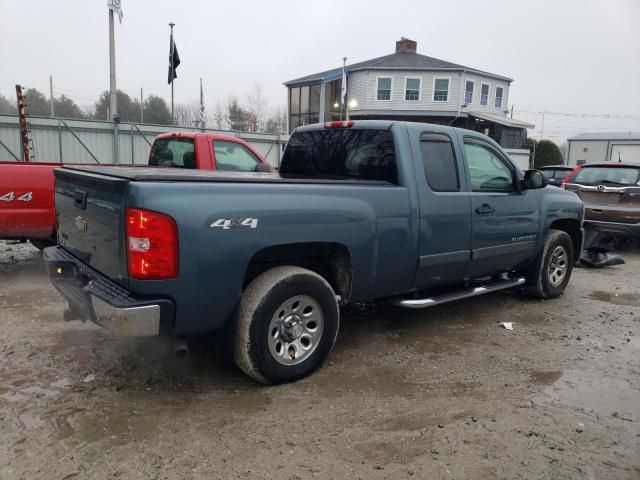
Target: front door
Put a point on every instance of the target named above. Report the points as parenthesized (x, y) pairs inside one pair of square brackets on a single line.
[(505, 218), (445, 212)]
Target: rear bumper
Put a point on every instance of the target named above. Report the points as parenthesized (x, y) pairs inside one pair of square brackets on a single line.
[(92, 296), (614, 228)]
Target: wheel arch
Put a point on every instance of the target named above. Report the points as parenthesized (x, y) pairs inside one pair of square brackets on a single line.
[(572, 228), (330, 260)]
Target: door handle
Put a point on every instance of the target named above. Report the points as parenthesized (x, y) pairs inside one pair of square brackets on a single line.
[(485, 209)]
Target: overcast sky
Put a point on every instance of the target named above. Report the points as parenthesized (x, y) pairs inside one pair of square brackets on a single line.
[(565, 56)]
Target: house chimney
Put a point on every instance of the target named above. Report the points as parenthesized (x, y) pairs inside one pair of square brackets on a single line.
[(404, 45)]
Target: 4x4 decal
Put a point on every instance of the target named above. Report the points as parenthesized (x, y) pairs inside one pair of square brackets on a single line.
[(227, 223), (11, 196)]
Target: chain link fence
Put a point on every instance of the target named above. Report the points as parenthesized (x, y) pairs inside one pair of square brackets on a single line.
[(89, 141)]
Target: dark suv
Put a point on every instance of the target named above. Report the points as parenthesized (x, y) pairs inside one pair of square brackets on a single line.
[(556, 173)]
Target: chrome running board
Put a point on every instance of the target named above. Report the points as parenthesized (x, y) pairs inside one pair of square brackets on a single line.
[(416, 303)]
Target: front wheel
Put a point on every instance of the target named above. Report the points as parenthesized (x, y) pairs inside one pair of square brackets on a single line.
[(551, 271), (287, 324)]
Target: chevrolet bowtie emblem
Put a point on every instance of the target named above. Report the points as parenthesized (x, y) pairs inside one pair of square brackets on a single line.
[(81, 223)]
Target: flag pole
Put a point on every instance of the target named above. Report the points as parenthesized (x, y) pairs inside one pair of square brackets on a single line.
[(113, 104), (171, 24), (344, 64), (201, 107)]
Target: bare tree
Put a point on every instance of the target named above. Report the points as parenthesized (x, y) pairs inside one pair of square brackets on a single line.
[(276, 121), (186, 114), (219, 117), (257, 106)]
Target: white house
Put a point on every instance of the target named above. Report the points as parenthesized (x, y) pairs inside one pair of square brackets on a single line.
[(603, 147), (406, 85)]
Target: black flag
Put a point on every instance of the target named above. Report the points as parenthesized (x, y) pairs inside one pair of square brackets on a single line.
[(174, 60)]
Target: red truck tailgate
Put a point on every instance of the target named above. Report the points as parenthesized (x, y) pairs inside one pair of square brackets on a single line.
[(26, 203)]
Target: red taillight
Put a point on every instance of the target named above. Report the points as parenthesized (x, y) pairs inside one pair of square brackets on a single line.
[(338, 124), (152, 245)]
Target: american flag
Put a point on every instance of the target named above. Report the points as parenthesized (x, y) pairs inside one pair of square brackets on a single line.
[(201, 109)]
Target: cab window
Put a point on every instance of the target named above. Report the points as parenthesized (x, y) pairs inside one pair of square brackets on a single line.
[(233, 156), (488, 173), (439, 163), (173, 152)]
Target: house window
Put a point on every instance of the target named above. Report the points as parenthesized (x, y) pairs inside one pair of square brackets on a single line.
[(484, 94), (441, 90), (384, 89), (499, 92), (412, 89), (468, 92)]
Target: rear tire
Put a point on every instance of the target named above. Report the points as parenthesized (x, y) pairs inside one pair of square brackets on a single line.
[(287, 324), (550, 274)]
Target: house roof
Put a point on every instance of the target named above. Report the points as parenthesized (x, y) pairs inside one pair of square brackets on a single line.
[(394, 61), (506, 121), (606, 136)]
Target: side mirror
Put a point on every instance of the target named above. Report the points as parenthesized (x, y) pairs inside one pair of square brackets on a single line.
[(264, 168), (534, 179)]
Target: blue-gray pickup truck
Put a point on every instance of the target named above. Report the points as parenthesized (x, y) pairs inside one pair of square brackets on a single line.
[(413, 214)]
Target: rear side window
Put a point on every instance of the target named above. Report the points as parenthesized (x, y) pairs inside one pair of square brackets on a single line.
[(341, 154), (173, 152), (233, 156), (439, 163)]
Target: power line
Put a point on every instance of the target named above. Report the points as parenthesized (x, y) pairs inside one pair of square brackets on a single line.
[(581, 115)]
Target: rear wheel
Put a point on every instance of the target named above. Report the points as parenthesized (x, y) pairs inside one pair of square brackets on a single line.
[(287, 325), (552, 270)]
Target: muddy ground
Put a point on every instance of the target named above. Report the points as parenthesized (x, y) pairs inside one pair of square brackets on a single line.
[(441, 393)]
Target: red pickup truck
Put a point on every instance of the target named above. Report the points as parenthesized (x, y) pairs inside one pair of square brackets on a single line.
[(26, 188)]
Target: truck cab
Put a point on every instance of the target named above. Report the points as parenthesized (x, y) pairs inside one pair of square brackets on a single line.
[(205, 151)]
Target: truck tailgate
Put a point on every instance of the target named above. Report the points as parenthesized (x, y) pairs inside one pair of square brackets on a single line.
[(26, 200), (90, 210)]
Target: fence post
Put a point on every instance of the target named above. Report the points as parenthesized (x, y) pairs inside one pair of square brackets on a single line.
[(131, 133), (59, 142), (115, 143)]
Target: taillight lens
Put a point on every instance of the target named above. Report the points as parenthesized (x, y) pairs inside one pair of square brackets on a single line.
[(152, 245)]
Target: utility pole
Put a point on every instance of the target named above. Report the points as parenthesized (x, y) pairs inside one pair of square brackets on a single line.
[(141, 106), (173, 48), (113, 108), (542, 126), (511, 111), (53, 111)]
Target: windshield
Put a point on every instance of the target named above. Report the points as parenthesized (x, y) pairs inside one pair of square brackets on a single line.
[(173, 152), (607, 175), (341, 154)]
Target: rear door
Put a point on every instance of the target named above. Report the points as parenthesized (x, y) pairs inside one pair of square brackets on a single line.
[(505, 220), (445, 212), (90, 211)]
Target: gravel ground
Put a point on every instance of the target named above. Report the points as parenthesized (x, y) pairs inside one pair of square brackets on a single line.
[(440, 393)]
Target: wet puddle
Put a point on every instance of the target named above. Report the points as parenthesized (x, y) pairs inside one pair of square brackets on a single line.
[(627, 299), (590, 390)]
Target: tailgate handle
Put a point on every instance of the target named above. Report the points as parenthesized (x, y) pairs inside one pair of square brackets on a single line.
[(80, 199)]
